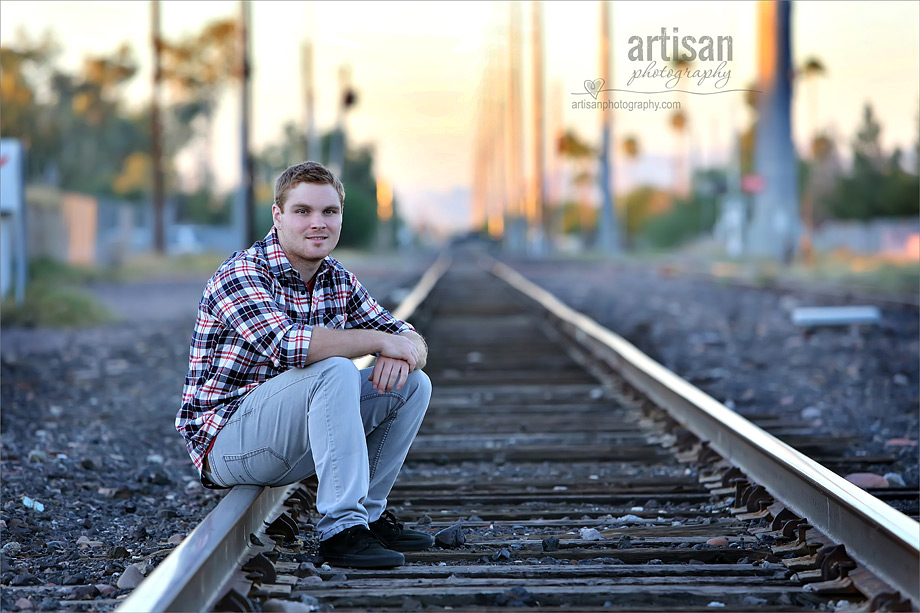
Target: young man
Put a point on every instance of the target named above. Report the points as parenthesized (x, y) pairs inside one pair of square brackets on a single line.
[(271, 396)]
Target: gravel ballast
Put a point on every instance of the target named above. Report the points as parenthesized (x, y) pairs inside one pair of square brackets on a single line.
[(739, 345)]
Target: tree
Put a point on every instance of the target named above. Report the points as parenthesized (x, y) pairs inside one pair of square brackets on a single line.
[(876, 186), (811, 70), (582, 156)]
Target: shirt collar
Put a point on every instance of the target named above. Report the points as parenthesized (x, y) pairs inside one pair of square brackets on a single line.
[(278, 262)]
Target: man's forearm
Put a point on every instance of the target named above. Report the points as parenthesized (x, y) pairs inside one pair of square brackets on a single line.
[(420, 344), (327, 343)]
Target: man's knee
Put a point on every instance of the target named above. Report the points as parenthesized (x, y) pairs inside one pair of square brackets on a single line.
[(419, 388), (338, 368)]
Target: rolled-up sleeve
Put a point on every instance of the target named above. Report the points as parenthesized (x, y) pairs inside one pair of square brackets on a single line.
[(366, 313), (242, 298)]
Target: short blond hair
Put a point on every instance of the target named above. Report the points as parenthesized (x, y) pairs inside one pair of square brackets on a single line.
[(306, 172)]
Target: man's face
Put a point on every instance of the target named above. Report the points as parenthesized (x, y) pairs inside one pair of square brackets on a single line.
[(310, 225)]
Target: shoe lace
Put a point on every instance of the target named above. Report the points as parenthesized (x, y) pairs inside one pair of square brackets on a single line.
[(363, 537), (390, 520)]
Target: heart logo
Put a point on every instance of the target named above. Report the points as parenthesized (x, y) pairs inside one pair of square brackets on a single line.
[(593, 87)]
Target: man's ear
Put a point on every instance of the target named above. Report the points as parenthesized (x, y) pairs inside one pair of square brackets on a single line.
[(276, 212)]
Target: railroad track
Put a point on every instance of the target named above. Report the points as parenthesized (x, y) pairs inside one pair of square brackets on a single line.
[(569, 485)]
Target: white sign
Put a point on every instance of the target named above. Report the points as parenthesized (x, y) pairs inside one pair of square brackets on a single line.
[(12, 194)]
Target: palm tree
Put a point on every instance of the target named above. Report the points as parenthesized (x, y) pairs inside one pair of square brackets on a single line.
[(633, 151), (679, 121), (811, 70)]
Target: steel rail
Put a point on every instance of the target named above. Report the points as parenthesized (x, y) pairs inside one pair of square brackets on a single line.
[(195, 573), (884, 540)]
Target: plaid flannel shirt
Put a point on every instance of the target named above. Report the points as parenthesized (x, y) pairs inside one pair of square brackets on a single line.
[(255, 320)]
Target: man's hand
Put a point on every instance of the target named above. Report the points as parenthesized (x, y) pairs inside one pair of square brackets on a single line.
[(401, 348), (389, 374), (420, 345)]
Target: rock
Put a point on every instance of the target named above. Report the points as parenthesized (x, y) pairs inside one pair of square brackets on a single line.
[(551, 543), (718, 541), (155, 458), (306, 569), (716, 603), (754, 602), (158, 477), (311, 601), (24, 604), (84, 592), (49, 604), (628, 519), (87, 464), (105, 590), (74, 579), (450, 537), (25, 579), (655, 562), (894, 479), (517, 596), (285, 606), (811, 413), (424, 520), (338, 578), (37, 455), (129, 506), (867, 480), (501, 554), (13, 549), (175, 539), (900, 379), (130, 579), (118, 552), (84, 542), (590, 534), (651, 503)]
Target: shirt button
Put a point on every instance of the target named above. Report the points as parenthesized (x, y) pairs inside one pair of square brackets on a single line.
[(302, 292)]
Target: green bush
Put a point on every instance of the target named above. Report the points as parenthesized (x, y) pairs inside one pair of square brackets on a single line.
[(54, 305), (686, 219)]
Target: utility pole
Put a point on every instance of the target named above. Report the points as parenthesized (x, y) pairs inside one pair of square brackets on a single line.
[(776, 223), (496, 167), (312, 149), (479, 173), (608, 240), (515, 225), (346, 100), (245, 203), (537, 214), (156, 148)]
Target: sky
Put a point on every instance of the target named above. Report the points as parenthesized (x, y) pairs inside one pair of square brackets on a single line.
[(418, 70)]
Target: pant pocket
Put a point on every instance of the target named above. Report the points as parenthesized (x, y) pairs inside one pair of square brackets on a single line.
[(260, 467)]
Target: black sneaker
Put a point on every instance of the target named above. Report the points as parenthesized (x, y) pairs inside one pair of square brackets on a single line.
[(357, 547), (394, 536)]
